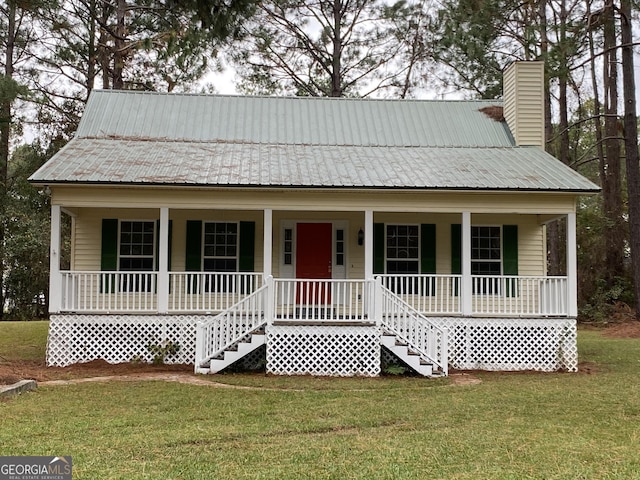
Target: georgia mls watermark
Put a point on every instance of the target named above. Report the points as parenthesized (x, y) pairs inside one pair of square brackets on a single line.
[(35, 468)]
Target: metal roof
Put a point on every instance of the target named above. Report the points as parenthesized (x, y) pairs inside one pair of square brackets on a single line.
[(291, 120), (329, 166), (203, 140)]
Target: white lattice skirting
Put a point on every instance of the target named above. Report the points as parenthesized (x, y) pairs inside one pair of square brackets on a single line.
[(512, 344), (323, 350), (480, 343), (119, 338)]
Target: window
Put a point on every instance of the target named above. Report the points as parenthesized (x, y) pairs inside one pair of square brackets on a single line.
[(486, 258), (137, 246), (403, 251), (136, 254), (220, 247), (403, 257), (288, 246), (340, 247)]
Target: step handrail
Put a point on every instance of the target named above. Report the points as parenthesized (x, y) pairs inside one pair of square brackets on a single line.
[(215, 335), (413, 328)]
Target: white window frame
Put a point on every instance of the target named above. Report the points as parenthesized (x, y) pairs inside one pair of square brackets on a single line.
[(218, 257), (154, 246), (386, 247)]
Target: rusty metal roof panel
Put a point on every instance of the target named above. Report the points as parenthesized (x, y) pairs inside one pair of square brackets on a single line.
[(291, 120), (329, 166)]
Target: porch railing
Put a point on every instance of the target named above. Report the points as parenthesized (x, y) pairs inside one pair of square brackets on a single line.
[(432, 294), (210, 291), (108, 291), (331, 299), (522, 296), (326, 300), (490, 295)]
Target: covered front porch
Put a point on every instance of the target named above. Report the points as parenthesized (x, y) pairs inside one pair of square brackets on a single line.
[(339, 318)]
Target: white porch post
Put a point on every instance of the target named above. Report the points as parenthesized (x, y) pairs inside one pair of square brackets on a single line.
[(368, 244), (55, 278), (268, 243), (572, 266), (467, 284), (163, 262)]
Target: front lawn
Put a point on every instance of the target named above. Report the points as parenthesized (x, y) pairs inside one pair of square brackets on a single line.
[(511, 426)]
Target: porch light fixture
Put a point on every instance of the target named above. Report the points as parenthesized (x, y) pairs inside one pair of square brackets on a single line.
[(47, 190), (360, 237)]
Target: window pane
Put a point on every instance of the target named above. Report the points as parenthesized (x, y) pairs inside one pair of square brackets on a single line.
[(220, 249), (137, 246), (401, 267)]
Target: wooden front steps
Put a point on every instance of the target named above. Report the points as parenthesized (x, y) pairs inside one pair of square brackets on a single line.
[(237, 351), (409, 356)]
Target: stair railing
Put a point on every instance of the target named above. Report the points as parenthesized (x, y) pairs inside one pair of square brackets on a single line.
[(412, 327), (227, 328)]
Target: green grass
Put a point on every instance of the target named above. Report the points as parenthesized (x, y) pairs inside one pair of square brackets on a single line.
[(511, 426), (23, 341)]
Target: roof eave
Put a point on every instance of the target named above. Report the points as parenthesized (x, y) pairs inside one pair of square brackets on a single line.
[(579, 191)]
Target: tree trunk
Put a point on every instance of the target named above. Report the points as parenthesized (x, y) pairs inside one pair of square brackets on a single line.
[(631, 145), (553, 243), (119, 51), (5, 130), (336, 78), (610, 170)]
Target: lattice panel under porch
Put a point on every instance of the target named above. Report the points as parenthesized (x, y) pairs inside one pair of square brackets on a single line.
[(512, 344), (323, 350), (119, 338)]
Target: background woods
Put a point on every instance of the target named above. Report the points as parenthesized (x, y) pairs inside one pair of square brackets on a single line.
[(54, 52)]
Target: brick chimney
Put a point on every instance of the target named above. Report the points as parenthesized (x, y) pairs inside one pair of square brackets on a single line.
[(523, 95)]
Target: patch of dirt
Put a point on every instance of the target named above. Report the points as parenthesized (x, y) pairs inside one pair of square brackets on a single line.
[(39, 372), (588, 368), (463, 379), (623, 330)]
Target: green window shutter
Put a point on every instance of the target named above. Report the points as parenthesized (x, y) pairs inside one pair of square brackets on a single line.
[(109, 255), (428, 256), (428, 248), (456, 254), (510, 256), (378, 248), (170, 244), (193, 254), (456, 249), (247, 246), (510, 249)]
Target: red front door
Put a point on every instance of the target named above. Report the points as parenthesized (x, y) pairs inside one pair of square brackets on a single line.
[(313, 261)]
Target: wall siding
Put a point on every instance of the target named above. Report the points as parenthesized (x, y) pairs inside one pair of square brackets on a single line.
[(87, 235), (524, 102)]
